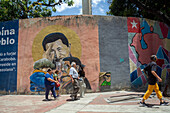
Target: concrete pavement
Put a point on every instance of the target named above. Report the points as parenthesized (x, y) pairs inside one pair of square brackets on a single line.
[(115, 102)]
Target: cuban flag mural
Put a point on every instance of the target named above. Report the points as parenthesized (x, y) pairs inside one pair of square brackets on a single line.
[(145, 38)]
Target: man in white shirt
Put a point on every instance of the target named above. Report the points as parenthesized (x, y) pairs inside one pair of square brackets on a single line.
[(74, 78)]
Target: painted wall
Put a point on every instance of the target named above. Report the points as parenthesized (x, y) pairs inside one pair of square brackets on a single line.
[(114, 56), (118, 45), (82, 34), (8, 55), (145, 38)]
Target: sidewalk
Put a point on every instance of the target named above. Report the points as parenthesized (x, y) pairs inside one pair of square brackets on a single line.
[(115, 102)]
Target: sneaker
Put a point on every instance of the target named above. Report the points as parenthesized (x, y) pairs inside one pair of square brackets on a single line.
[(46, 100), (72, 97), (77, 99), (143, 104), (164, 103)]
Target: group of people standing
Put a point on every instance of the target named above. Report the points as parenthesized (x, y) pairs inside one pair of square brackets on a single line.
[(77, 78)]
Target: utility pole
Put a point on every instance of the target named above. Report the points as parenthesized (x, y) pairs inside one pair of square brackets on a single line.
[(87, 7)]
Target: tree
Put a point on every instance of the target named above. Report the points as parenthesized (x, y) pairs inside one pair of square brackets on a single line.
[(151, 9), (22, 9)]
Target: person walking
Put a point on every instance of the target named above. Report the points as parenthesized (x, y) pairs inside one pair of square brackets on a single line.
[(49, 84), (150, 72), (82, 77), (74, 78)]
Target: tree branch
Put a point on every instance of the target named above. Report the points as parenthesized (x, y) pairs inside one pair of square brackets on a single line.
[(49, 4), (157, 13)]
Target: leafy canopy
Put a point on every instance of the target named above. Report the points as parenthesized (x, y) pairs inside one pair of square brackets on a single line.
[(151, 9), (21, 9)]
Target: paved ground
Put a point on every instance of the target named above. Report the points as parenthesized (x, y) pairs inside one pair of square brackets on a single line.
[(106, 102)]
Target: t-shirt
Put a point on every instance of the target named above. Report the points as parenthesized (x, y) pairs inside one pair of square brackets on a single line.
[(73, 72), (55, 75), (105, 83), (47, 82), (152, 66)]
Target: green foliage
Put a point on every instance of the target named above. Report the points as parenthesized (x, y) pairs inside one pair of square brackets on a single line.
[(122, 8), (21, 9), (70, 3), (127, 8)]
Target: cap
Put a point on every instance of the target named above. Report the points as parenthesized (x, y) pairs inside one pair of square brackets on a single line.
[(73, 63)]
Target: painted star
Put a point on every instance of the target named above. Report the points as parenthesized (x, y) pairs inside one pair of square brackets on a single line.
[(134, 24)]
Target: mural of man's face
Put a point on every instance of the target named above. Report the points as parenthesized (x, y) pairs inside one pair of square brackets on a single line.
[(56, 51), (105, 77)]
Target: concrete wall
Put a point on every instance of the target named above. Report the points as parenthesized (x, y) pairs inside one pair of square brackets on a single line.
[(113, 47)]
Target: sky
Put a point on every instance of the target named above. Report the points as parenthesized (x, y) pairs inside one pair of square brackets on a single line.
[(99, 7)]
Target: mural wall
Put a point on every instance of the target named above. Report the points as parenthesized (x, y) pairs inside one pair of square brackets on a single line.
[(55, 42), (114, 50), (113, 47), (145, 38)]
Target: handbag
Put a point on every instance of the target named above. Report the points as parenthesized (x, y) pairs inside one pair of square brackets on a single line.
[(57, 84)]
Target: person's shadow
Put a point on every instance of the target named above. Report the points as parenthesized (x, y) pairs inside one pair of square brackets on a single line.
[(69, 100), (151, 105), (45, 100)]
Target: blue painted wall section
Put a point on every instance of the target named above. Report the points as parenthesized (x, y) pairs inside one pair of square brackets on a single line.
[(8, 55)]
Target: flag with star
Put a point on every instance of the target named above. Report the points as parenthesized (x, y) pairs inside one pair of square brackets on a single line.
[(133, 25)]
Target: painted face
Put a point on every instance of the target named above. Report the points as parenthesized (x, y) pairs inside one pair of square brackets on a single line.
[(56, 51), (107, 77)]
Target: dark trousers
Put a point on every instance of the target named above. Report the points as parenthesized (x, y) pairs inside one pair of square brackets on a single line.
[(75, 88), (49, 88)]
